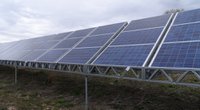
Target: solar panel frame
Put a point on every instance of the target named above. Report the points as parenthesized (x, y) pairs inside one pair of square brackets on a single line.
[(159, 49), (124, 30)]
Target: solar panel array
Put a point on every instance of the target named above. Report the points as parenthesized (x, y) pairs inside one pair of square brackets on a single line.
[(154, 42), (30, 49), (181, 47), (133, 46)]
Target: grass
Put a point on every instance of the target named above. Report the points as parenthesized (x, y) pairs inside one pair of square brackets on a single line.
[(39, 90)]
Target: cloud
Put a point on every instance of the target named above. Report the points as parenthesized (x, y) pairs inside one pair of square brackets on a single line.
[(22, 19)]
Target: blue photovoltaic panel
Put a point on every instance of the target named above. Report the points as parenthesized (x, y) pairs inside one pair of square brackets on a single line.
[(33, 55), (14, 55), (138, 37), (188, 16), (184, 33), (79, 56), (148, 22), (68, 43), (81, 33), (61, 36), (43, 38), (6, 46), (179, 55), (52, 55), (108, 29), (126, 55), (44, 45), (99, 40), (20, 45)]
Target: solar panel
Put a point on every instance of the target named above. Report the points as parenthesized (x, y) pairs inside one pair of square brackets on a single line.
[(132, 47), (108, 29), (52, 55), (61, 36), (138, 37), (33, 55), (81, 33), (148, 22), (98, 40), (43, 38), (79, 55), (14, 55), (188, 16), (184, 33), (5, 46), (125, 55), (68, 43), (179, 55), (44, 45)]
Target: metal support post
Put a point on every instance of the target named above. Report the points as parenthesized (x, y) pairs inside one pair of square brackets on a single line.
[(15, 74), (143, 76), (85, 71), (86, 92)]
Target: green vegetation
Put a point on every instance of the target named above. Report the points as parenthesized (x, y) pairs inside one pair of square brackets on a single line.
[(39, 90)]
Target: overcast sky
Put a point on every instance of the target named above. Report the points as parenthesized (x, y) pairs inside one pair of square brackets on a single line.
[(20, 19)]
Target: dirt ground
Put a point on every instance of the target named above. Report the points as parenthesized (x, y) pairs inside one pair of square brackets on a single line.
[(40, 90)]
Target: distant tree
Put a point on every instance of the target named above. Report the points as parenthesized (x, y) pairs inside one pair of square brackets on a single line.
[(174, 11)]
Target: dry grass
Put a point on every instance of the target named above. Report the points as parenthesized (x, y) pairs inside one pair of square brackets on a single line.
[(40, 90)]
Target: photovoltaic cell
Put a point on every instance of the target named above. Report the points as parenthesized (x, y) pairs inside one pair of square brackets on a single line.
[(184, 33), (126, 55), (138, 37), (188, 16), (79, 56), (99, 40), (81, 33), (52, 55), (148, 22), (108, 29), (33, 55), (179, 55), (68, 43)]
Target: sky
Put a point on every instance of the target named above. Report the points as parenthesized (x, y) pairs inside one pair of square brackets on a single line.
[(22, 19)]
